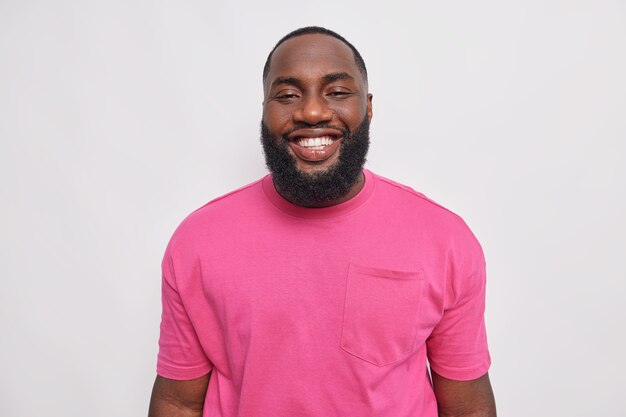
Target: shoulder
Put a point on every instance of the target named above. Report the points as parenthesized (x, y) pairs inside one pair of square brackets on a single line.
[(404, 198), (404, 191), (427, 218), (209, 219), (441, 226)]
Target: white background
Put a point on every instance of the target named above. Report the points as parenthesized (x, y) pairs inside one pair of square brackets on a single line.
[(118, 118)]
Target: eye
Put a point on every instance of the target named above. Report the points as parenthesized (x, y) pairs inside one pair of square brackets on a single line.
[(339, 93), (286, 96)]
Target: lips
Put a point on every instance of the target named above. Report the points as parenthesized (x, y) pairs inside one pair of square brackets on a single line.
[(315, 145)]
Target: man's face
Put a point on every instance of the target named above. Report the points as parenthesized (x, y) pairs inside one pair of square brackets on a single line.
[(316, 109)]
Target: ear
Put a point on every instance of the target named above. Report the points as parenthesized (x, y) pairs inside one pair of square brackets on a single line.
[(369, 106)]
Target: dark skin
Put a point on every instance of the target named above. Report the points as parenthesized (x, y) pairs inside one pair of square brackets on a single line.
[(313, 80), (464, 398), (172, 398)]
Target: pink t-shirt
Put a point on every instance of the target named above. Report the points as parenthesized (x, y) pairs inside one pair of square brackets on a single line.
[(323, 311)]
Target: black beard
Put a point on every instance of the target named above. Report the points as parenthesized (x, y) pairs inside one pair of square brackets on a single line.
[(309, 190)]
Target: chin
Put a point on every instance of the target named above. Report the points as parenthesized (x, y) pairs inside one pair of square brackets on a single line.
[(316, 169)]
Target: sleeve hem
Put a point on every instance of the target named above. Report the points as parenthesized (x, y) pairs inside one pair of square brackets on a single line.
[(462, 374), (183, 374)]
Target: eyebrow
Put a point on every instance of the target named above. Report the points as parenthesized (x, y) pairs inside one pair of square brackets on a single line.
[(336, 76), (328, 78), (286, 80)]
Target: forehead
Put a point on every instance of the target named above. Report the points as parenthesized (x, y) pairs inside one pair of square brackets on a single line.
[(312, 56)]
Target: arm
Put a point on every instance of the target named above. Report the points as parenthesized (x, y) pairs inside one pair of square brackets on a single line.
[(464, 398), (172, 398)]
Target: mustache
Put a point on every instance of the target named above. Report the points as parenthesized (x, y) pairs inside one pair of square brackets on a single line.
[(344, 131)]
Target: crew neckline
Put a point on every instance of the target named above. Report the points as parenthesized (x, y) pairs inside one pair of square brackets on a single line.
[(320, 212)]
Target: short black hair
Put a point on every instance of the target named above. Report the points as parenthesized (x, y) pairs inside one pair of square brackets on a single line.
[(319, 30)]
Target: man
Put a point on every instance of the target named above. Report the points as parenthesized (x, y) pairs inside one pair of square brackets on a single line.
[(321, 289)]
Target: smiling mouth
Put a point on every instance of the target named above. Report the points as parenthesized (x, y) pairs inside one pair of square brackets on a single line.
[(316, 144), (313, 148)]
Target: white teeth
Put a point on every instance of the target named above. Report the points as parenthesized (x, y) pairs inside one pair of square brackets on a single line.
[(315, 142)]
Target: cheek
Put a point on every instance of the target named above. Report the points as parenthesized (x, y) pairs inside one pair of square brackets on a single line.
[(276, 118), (351, 115)]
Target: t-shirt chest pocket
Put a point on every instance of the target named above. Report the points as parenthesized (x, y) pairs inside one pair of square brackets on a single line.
[(380, 318)]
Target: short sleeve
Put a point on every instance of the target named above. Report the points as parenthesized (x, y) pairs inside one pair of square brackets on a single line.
[(180, 355), (457, 347)]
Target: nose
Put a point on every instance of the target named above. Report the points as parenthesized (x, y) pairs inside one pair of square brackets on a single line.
[(313, 110)]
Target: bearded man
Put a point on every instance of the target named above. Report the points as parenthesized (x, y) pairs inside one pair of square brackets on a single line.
[(322, 289)]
